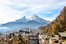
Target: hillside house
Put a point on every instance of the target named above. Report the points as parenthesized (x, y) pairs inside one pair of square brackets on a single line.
[(63, 35)]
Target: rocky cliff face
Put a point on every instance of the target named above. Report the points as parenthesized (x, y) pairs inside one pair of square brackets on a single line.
[(59, 24)]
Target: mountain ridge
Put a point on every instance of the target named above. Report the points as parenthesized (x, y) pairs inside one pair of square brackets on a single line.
[(26, 23), (34, 17)]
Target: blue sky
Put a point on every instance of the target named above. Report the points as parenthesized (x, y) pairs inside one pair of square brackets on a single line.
[(10, 10)]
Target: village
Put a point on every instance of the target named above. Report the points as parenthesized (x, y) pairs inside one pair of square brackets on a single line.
[(28, 37)]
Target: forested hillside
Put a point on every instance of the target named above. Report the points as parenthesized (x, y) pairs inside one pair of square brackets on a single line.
[(58, 25)]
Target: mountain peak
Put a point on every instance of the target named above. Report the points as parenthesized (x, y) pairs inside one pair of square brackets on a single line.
[(23, 18), (37, 18), (34, 17)]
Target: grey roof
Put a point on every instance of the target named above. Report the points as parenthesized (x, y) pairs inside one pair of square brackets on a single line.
[(62, 34)]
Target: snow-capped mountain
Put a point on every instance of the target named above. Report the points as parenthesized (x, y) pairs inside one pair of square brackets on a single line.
[(23, 19), (38, 19), (33, 22), (32, 18)]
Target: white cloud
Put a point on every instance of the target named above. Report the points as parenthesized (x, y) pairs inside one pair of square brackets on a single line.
[(11, 10), (7, 14)]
